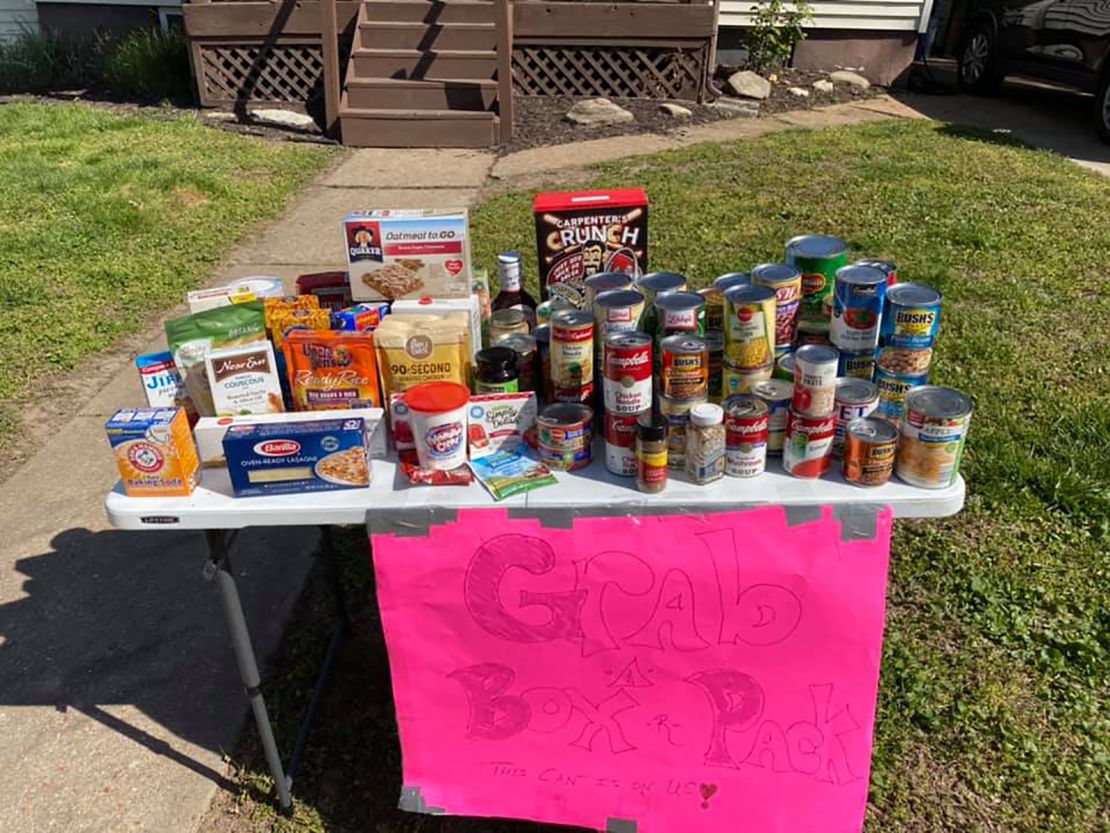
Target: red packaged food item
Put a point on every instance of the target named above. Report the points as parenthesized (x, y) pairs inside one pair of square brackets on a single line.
[(332, 288), (581, 234), (410, 467)]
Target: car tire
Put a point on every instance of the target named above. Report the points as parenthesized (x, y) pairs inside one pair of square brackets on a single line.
[(1102, 108), (977, 71)]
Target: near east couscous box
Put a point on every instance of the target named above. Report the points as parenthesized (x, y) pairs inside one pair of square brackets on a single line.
[(154, 451)]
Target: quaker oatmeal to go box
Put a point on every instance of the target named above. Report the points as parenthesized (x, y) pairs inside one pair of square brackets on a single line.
[(407, 253)]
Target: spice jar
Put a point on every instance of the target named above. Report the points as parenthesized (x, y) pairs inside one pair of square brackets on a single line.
[(705, 443), (651, 454), (497, 371)]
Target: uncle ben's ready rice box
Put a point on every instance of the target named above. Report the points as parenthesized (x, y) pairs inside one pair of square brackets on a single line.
[(154, 451)]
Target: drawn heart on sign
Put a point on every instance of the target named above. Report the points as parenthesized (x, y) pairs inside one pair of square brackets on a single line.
[(453, 266), (707, 791)]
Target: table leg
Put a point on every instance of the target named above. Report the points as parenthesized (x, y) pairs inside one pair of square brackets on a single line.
[(218, 570)]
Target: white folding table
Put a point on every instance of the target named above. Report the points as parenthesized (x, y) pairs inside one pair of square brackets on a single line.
[(390, 498)]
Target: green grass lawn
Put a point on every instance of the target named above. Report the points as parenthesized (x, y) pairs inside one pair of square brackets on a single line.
[(107, 220), (994, 712)]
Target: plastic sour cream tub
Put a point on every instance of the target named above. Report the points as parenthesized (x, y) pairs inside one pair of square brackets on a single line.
[(438, 420)]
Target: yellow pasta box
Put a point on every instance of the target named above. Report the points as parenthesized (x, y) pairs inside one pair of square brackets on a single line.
[(154, 451)]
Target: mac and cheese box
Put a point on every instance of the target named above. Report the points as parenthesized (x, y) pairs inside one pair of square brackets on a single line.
[(154, 451)]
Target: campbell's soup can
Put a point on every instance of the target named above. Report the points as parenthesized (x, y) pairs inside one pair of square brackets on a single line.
[(572, 355), (786, 282), (685, 368), (735, 380), (817, 257), (887, 267), (855, 398), (747, 429), (893, 388), (715, 344), (856, 365), (869, 448), (626, 379), (565, 435), (749, 326), (815, 380), (933, 436), (620, 443), (605, 282), (857, 308), (676, 413), (617, 311), (777, 393), (807, 449), (911, 316)]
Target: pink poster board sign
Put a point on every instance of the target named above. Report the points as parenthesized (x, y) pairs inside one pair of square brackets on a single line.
[(672, 674)]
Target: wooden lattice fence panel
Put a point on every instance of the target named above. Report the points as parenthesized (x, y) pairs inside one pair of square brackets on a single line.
[(617, 71), (282, 72)]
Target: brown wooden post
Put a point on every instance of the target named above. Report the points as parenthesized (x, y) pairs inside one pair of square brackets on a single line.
[(329, 37), (505, 68)]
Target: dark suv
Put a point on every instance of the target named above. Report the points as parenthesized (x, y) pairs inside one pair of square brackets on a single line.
[(1064, 41)]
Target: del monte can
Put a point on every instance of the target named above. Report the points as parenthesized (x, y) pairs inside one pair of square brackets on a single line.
[(817, 256)]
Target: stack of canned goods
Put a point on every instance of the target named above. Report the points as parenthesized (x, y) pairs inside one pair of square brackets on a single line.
[(907, 333), (811, 420), (627, 393), (749, 337)]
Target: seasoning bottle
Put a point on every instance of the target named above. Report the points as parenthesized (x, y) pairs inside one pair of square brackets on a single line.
[(651, 454), (497, 371), (512, 294), (705, 443)]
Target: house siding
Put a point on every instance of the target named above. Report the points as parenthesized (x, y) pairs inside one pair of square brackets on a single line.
[(860, 15), (17, 17)]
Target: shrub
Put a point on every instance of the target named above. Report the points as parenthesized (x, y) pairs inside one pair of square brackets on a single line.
[(37, 61), (150, 64), (775, 30)]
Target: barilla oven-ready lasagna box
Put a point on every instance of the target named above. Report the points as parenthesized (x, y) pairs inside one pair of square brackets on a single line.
[(581, 234), (315, 456), (408, 253)]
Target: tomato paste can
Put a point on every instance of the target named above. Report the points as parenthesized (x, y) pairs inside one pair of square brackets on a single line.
[(617, 311), (676, 413), (784, 367), (620, 443), (911, 316), (679, 312), (605, 282), (572, 355), (715, 298), (749, 326), (715, 343), (525, 348), (856, 365), (817, 256), (869, 447), (777, 393), (564, 435), (626, 383), (855, 398), (807, 449), (815, 380), (747, 430), (933, 435), (684, 372), (887, 267), (857, 308), (651, 285), (735, 380), (893, 388), (786, 282)]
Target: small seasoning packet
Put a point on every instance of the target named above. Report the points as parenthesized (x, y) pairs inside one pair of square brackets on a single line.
[(506, 473), (244, 380), (161, 379), (499, 421)]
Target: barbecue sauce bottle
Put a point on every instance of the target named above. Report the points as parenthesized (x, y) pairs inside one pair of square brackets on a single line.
[(512, 294)]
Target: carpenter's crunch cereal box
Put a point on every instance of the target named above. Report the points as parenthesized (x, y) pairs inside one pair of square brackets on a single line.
[(154, 451), (407, 253)]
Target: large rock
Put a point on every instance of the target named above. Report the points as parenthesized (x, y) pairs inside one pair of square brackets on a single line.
[(823, 86), (852, 79), (748, 84), (730, 108), (284, 118), (595, 112), (675, 111)]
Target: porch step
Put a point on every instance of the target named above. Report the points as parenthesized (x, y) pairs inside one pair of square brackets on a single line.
[(421, 94), (364, 127), (423, 11), (428, 36), (443, 65)]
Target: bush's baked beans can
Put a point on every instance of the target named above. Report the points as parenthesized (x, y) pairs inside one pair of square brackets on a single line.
[(855, 398), (684, 372), (620, 443), (817, 256), (626, 383), (856, 365), (749, 326), (715, 344), (572, 355), (904, 360), (676, 412), (784, 368), (786, 282), (815, 380), (777, 393), (617, 311), (807, 449), (888, 268), (811, 331), (605, 282), (857, 308), (679, 313), (747, 430), (565, 435), (734, 380), (869, 449), (893, 388), (715, 299), (911, 316), (933, 435)]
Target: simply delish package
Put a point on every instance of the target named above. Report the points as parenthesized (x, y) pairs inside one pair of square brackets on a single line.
[(407, 253)]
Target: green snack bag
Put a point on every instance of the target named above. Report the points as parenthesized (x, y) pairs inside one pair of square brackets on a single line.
[(192, 337)]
